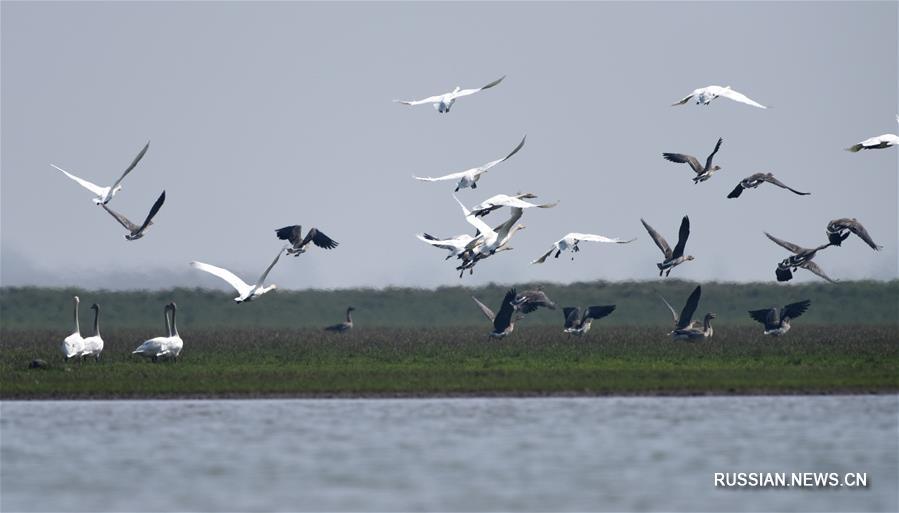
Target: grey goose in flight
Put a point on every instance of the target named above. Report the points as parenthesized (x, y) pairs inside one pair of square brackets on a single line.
[(753, 181), (444, 102), (777, 321), (504, 320), (675, 257), (135, 231), (578, 322), (801, 258), (838, 230), (105, 194), (294, 235), (703, 173), (685, 328), (345, 326)]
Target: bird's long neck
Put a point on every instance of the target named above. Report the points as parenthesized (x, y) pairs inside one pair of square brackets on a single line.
[(707, 323), (349, 317), (97, 322), (168, 325), (77, 326), (174, 324)]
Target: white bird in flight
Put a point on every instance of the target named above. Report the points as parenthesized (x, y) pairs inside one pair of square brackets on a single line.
[(444, 102), (876, 143), (105, 194), (705, 96), (502, 200), (246, 292), (470, 177), (570, 242)]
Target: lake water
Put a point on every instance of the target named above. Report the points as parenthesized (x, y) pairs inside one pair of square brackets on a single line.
[(586, 454)]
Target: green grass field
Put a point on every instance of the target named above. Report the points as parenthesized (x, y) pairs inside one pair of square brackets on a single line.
[(535, 360)]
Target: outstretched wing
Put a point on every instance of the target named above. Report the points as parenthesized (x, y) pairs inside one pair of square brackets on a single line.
[(857, 228), (293, 233), (764, 316), (488, 313), (686, 98), (708, 161), (686, 315), (670, 308), (320, 239), (262, 278), (770, 179), (94, 188), (153, 210), (598, 238), (504, 316), (789, 246), (133, 163), (729, 93), (813, 267), (682, 236), (572, 315), (681, 158), (131, 227), (451, 176), (598, 312), (429, 99), (658, 239), (794, 310), (466, 92), (484, 168), (544, 257), (737, 191), (232, 279)]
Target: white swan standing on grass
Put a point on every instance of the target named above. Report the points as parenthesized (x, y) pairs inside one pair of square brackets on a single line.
[(876, 143), (158, 347), (73, 345), (570, 242), (246, 292), (105, 194), (175, 344), (470, 177), (444, 102), (705, 95), (93, 345)]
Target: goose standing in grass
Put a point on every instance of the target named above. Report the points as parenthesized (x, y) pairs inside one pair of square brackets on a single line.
[(157, 347), (470, 177), (294, 234), (753, 181), (801, 258), (455, 246), (703, 173), (705, 95), (579, 324), (571, 241), (345, 326), (672, 258), (838, 230), (685, 328), (246, 292), (530, 300), (504, 320), (93, 345), (105, 194), (135, 231), (777, 322), (73, 345), (876, 143), (502, 200), (444, 102)]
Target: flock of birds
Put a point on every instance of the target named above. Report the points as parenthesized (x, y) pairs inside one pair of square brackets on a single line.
[(469, 250)]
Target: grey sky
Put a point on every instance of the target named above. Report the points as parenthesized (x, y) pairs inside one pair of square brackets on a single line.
[(263, 115)]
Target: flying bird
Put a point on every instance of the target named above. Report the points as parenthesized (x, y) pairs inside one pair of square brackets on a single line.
[(294, 234), (838, 230), (345, 326), (672, 258), (504, 321), (530, 300), (685, 328), (703, 173), (245, 292), (777, 321), (571, 241), (488, 241), (579, 324), (105, 194), (135, 231), (455, 245), (874, 143), (753, 181), (705, 95), (444, 102), (801, 258), (502, 200), (470, 177)]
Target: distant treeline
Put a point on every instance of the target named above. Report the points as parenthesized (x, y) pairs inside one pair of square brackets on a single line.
[(864, 302)]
